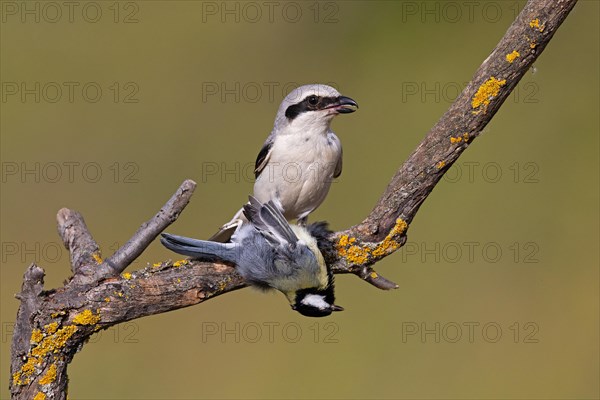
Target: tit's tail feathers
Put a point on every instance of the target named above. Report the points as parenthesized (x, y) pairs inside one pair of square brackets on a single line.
[(224, 234), (199, 248)]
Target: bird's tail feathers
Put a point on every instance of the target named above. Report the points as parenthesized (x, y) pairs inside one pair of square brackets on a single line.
[(199, 248)]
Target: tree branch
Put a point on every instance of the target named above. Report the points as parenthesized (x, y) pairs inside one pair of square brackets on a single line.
[(77, 239), (384, 231), (131, 250), (52, 325)]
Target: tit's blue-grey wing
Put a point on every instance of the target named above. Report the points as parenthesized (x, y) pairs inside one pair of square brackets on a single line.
[(270, 222), (271, 214)]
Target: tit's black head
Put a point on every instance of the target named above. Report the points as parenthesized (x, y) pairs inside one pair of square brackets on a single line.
[(316, 303), (314, 102)]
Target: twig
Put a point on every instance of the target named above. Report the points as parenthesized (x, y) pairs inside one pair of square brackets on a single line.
[(52, 326), (474, 108), (77, 239), (149, 230)]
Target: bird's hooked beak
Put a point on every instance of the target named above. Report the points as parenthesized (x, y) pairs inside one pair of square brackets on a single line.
[(343, 105), (337, 308)]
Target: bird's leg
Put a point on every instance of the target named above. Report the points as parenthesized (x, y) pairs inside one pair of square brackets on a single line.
[(303, 220)]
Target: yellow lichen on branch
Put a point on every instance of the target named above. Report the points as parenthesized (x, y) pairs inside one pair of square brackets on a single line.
[(390, 243), (97, 257), (535, 24), (50, 376), (180, 263), (36, 336), (510, 57), (486, 92), (39, 396), (54, 340), (23, 377), (464, 137), (51, 327), (355, 254), (86, 318)]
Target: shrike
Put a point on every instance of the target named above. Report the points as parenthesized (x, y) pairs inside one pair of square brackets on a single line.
[(301, 156)]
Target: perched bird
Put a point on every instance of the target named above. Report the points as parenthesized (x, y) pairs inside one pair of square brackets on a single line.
[(272, 254), (301, 156)]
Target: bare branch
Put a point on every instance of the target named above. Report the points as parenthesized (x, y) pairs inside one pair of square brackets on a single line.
[(372, 277), (51, 326), (77, 239), (154, 290), (33, 283), (149, 230), (454, 132)]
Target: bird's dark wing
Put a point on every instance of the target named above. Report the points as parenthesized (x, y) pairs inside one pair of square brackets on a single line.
[(263, 157), (272, 216), (338, 168), (270, 222), (252, 210)]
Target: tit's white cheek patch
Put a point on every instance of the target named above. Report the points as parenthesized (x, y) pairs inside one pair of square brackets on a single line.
[(315, 300)]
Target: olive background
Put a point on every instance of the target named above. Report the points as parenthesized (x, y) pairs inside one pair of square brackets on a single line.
[(499, 285)]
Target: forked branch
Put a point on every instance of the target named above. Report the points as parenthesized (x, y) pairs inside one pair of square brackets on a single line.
[(52, 325)]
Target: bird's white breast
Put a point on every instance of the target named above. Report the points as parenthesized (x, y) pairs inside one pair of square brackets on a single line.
[(299, 171)]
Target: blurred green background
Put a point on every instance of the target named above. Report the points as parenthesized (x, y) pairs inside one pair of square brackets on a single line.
[(499, 290)]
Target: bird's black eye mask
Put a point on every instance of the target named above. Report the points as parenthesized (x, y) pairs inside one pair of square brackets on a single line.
[(310, 103)]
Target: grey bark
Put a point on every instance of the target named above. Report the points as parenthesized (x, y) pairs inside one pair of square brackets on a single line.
[(52, 326)]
